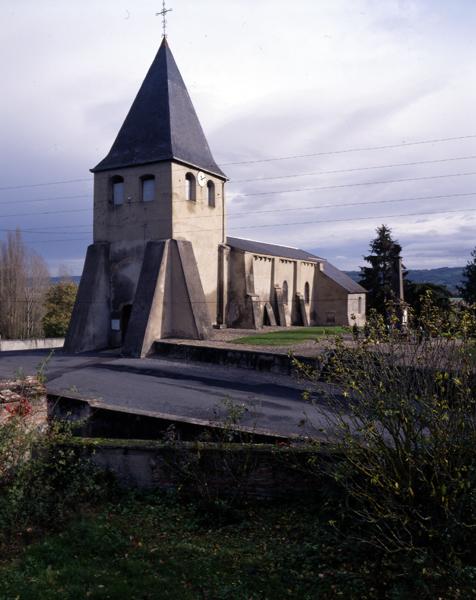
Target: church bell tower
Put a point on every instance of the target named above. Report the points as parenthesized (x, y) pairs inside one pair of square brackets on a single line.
[(155, 268)]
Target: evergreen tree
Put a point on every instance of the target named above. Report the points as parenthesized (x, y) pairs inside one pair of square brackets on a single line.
[(468, 289), (380, 279)]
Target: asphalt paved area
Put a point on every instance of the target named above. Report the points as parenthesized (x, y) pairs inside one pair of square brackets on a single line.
[(188, 390)]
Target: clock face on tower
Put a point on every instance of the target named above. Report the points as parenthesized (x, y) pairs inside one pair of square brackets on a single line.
[(201, 178)]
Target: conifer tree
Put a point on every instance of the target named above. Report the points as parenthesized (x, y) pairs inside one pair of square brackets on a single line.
[(379, 279), (468, 289)]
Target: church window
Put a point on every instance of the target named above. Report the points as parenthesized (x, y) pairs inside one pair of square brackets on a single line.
[(190, 191), (285, 292), (117, 190), (148, 188), (360, 305), (211, 193), (307, 295)]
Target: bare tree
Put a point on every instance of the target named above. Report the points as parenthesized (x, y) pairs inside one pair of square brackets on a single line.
[(38, 282), (24, 280)]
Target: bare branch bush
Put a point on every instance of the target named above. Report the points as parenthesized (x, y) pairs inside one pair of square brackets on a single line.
[(402, 419)]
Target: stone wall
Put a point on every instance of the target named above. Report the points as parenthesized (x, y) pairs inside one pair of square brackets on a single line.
[(248, 470), (201, 223)]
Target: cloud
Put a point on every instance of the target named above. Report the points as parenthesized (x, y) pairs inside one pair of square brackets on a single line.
[(266, 82)]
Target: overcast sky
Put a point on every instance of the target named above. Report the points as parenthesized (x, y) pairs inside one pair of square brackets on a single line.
[(269, 79)]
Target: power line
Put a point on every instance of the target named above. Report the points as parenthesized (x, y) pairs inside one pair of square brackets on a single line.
[(415, 214), (344, 185), (272, 210), (333, 205), (288, 224), (43, 184), (84, 239), (350, 204), (266, 225), (408, 164), (51, 212), (51, 199), (277, 158), (312, 173), (358, 149), (306, 189)]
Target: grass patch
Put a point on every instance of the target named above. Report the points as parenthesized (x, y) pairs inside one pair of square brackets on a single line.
[(152, 548), (288, 337)]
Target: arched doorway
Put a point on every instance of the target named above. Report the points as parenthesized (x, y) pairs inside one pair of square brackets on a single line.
[(125, 318)]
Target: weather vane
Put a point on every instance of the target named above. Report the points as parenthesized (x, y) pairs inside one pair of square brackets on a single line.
[(163, 14)]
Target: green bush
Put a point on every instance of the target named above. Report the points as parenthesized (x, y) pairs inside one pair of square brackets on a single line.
[(50, 485), (402, 420), (43, 479), (59, 306)]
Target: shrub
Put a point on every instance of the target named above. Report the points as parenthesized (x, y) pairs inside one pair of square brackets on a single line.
[(402, 419), (42, 478), (51, 485), (59, 306)]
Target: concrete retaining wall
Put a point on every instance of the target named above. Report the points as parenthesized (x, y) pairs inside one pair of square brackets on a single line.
[(92, 419), (253, 470), (40, 344), (245, 359)]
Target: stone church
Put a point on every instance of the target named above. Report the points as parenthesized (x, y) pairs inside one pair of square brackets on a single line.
[(162, 265)]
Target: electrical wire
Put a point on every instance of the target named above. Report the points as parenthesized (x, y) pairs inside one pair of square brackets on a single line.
[(271, 159), (371, 168), (43, 184), (347, 150), (274, 210), (276, 192), (289, 224), (364, 183)]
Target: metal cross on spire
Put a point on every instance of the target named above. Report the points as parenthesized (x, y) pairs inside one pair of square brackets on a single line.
[(163, 14)]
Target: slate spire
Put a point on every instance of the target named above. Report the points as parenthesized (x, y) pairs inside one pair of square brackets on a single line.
[(162, 123)]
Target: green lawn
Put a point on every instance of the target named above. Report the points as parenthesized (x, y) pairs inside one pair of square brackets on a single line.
[(288, 337), (154, 549)]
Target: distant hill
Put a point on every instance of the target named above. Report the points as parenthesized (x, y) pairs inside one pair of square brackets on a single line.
[(75, 278), (449, 276)]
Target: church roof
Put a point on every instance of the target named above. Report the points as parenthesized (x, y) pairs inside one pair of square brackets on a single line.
[(162, 123), (342, 279), (337, 276), (271, 249)]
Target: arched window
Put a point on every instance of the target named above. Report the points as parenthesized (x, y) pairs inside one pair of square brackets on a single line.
[(360, 305), (285, 292), (148, 188), (307, 295), (117, 183), (190, 191), (211, 193)]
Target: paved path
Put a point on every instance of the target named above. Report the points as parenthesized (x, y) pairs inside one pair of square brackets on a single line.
[(274, 402)]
